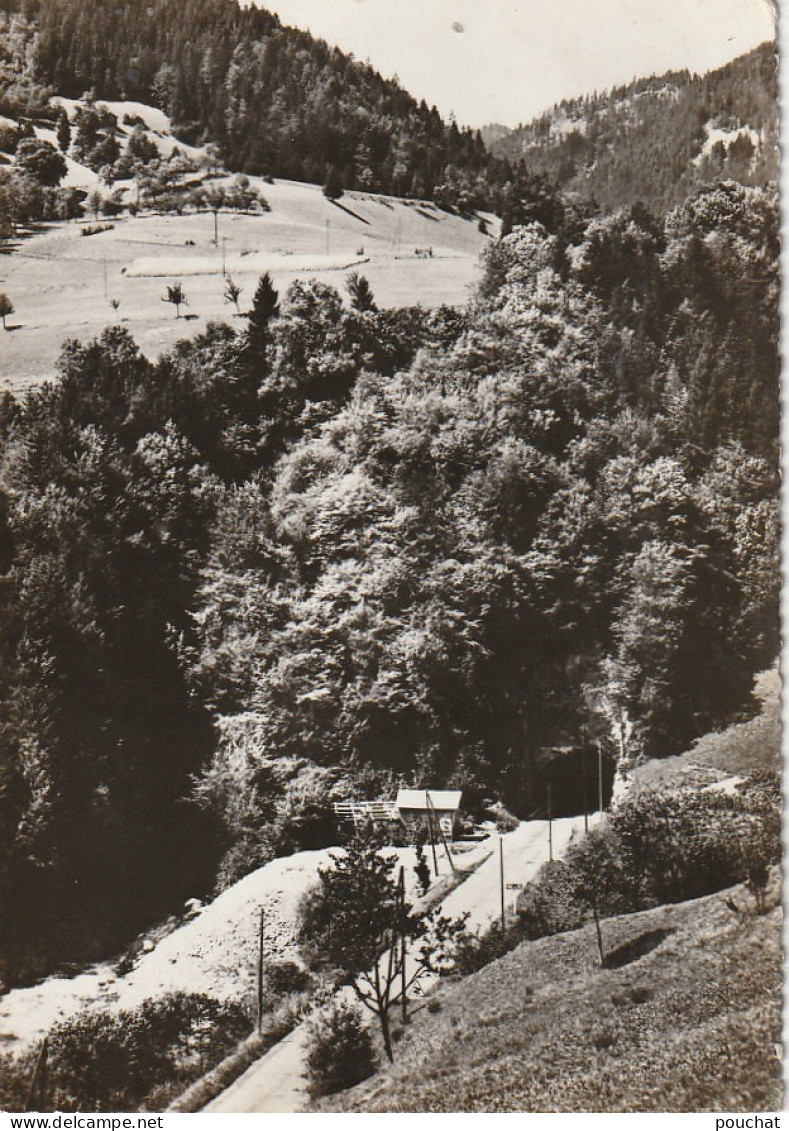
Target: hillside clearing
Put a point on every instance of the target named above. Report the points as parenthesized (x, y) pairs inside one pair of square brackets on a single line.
[(213, 953), (63, 284), (693, 1025)]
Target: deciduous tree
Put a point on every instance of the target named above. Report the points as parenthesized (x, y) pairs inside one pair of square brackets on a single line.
[(176, 296), (6, 307)]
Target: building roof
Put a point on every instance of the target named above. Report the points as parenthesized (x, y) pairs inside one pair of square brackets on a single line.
[(440, 799)]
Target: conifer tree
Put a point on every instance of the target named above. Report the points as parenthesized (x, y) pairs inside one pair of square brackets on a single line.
[(265, 307), (361, 293), (63, 131)]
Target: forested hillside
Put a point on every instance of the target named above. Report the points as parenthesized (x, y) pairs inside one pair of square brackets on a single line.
[(656, 140), (271, 98), (344, 548)]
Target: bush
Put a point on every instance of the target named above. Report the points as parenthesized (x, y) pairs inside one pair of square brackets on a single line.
[(680, 844), (306, 823), (659, 846), (111, 206), (283, 978), (120, 1062), (340, 1052), (548, 905), (473, 951), (333, 189), (16, 1073), (96, 229), (422, 870)]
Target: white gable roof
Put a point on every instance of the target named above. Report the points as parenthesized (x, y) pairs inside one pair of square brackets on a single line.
[(440, 799)]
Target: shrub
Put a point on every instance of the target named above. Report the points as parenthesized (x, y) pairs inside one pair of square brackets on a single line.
[(603, 1039), (306, 822), (340, 1052), (680, 844), (96, 229), (6, 307), (421, 867), (548, 905), (473, 951), (284, 977), (10, 137), (111, 206), (333, 189), (660, 846), (16, 1073), (118, 1062)]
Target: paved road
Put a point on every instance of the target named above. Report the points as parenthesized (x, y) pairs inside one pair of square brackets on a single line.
[(272, 1084), (525, 851), (275, 1083)]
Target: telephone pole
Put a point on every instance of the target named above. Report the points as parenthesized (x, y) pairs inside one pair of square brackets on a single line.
[(550, 825), (403, 979), (433, 815), (583, 778), (429, 813), (501, 876), (260, 973)]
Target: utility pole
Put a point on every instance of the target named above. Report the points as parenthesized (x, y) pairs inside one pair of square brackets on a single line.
[(501, 875), (600, 776), (224, 241), (429, 820), (403, 979), (550, 825), (38, 1081), (433, 814), (583, 778), (260, 974)]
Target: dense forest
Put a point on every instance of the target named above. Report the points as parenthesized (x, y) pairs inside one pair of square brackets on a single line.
[(347, 547), (657, 140)]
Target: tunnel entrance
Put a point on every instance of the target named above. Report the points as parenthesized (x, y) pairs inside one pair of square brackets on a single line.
[(571, 779)]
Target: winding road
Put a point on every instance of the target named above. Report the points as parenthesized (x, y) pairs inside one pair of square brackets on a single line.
[(276, 1084)]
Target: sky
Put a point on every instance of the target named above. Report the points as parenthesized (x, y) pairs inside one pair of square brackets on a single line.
[(508, 60)]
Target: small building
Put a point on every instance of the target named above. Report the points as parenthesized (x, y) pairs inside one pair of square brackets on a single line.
[(419, 808)]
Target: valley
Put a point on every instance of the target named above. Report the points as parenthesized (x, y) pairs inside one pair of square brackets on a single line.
[(356, 468)]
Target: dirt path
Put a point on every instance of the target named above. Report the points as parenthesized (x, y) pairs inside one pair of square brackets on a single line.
[(275, 1083)]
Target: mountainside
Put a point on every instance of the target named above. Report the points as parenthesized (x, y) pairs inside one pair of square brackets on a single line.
[(690, 1026), (273, 99), (412, 251), (329, 547), (658, 139), (287, 562)]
